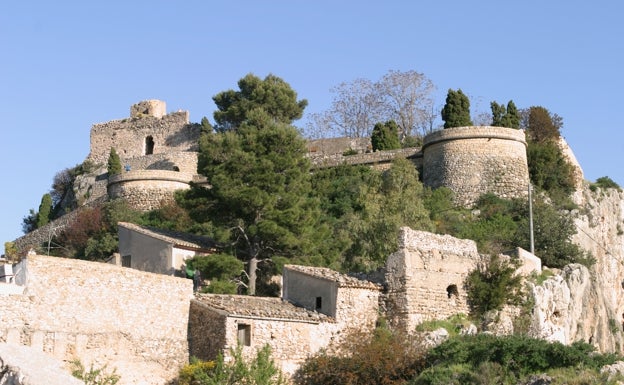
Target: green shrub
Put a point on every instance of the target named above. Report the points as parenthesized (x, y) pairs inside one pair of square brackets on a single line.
[(494, 286), (517, 354), (604, 183), (94, 376), (260, 370), (383, 358), (452, 325)]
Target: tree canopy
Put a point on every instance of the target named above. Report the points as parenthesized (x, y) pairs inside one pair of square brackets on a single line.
[(402, 96), (505, 117), (258, 202), (114, 163), (271, 94), (385, 136), (456, 111)]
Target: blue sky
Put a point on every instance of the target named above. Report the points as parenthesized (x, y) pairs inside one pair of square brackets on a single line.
[(66, 65)]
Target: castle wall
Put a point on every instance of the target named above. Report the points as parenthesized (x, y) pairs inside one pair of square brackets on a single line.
[(129, 137), (98, 312), (147, 189), (472, 161), (421, 275)]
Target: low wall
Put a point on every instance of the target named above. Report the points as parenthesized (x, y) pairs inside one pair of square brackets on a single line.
[(99, 313)]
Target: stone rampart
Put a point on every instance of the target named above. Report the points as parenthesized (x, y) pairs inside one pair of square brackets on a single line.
[(378, 159), (472, 161), (148, 189), (145, 135), (99, 313), (331, 146)]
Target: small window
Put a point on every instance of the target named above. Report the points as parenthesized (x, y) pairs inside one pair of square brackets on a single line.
[(126, 261), (244, 334), (149, 145), (451, 291), (319, 303)]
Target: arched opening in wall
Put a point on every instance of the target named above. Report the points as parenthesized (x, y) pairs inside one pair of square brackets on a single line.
[(149, 145), (176, 168), (451, 291)]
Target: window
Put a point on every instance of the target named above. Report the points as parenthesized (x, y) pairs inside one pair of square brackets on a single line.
[(451, 291), (149, 145), (244, 334), (319, 303), (126, 261)]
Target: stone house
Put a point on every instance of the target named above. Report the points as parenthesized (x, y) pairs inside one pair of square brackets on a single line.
[(318, 308), (158, 250)]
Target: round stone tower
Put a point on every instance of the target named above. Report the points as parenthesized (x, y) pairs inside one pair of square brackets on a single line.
[(472, 161)]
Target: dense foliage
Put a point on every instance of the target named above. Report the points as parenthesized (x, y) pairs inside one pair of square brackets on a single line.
[(271, 94), (505, 116), (605, 182), (508, 359), (456, 111), (45, 210), (385, 136), (493, 286), (384, 357)]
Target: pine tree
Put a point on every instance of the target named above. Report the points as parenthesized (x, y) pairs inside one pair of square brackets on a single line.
[(456, 111)]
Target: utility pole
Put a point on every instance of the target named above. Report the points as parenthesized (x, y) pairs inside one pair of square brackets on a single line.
[(531, 219)]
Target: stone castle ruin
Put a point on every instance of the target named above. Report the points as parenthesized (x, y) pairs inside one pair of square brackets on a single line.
[(159, 154)]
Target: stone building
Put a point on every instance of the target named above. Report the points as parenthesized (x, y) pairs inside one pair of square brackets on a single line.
[(158, 250), (318, 308), (131, 321)]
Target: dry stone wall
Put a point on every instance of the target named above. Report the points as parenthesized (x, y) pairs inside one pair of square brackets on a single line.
[(472, 161), (98, 312)]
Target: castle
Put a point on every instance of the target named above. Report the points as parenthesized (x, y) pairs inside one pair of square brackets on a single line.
[(159, 154)]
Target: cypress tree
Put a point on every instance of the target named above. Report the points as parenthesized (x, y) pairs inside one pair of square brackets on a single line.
[(114, 163), (456, 111), (385, 136), (45, 208)]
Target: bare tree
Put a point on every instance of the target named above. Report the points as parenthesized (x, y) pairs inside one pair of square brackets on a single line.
[(406, 99), (357, 106)]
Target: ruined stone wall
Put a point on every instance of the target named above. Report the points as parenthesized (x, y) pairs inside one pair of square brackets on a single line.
[(147, 189), (331, 146), (97, 312), (421, 274), (172, 132), (206, 330), (472, 161), (378, 159), (357, 308)]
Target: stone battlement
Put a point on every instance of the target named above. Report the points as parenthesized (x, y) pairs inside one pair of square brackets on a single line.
[(473, 161)]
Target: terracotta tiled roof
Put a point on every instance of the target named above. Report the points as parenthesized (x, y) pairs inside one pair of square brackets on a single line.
[(176, 238), (260, 307), (343, 280)]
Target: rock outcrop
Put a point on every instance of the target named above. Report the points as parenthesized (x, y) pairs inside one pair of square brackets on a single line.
[(581, 304)]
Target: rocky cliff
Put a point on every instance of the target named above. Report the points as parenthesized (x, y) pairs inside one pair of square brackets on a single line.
[(583, 304)]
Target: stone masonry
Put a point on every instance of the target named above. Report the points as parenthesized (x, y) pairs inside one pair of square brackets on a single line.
[(99, 313), (473, 161), (144, 134), (425, 278)]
